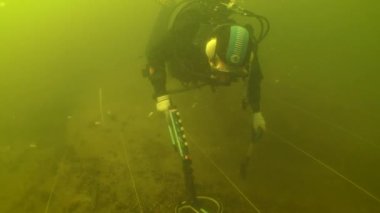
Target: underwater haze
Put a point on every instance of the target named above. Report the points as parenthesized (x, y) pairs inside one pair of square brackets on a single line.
[(79, 131)]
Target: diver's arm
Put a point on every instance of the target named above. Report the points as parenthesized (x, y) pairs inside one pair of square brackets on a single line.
[(157, 77), (254, 95), (156, 68), (254, 85), (158, 53)]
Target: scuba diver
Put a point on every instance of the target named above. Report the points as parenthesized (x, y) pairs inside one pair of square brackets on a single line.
[(198, 42)]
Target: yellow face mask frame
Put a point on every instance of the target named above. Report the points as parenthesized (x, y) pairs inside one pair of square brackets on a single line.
[(214, 60)]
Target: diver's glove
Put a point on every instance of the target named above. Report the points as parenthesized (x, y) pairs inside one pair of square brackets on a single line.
[(163, 103), (258, 122)]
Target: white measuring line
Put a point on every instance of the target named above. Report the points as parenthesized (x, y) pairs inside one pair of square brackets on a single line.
[(123, 141), (285, 141), (101, 105), (64, 155), (336, 126), (124, 150), (225, 176), (52, 190)]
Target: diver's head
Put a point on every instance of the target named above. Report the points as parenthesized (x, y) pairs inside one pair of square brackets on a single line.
[(229, 51)]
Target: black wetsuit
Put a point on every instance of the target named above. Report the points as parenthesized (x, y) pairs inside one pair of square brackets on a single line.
[(178, 40)]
